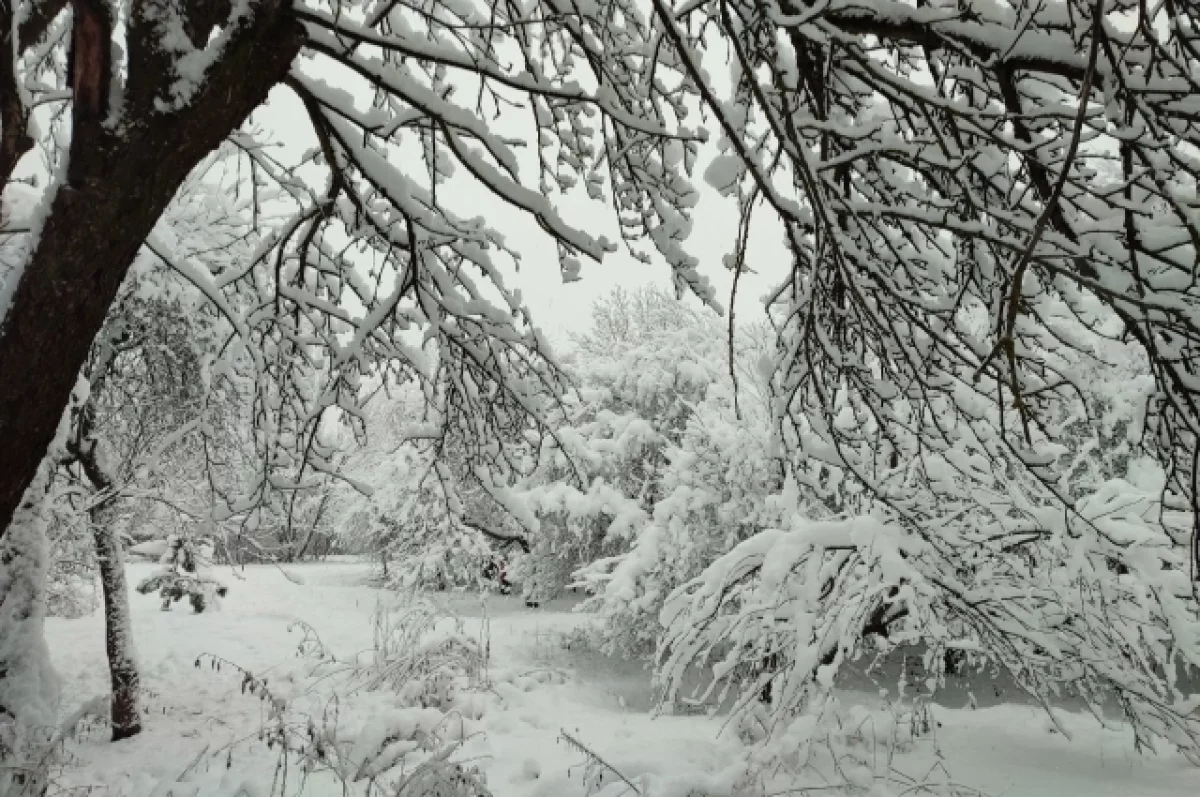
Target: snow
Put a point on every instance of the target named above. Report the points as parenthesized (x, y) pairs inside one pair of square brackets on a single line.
[(25, 211), (200, 722), (191, 63), (29, 687), (152, 549)]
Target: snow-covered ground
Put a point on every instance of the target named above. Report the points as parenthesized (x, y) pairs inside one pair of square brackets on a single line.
[(202, 732)]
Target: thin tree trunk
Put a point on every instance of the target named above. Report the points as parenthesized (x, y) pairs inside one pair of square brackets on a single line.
[(312, 529), (118, 630)]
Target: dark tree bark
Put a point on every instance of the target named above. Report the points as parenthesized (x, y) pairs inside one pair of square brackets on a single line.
[(120, 182), (118, 628), (15, 140), (122, 667)]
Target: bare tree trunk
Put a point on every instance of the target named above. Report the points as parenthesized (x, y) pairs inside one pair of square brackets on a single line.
[(118, 630)]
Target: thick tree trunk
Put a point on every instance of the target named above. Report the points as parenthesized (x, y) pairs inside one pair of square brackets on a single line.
[(118, 631), (120, 181), (118, 628)]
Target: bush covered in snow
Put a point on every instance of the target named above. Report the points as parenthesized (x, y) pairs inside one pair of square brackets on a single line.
[(186, 572), (706, 534), (655, 468)]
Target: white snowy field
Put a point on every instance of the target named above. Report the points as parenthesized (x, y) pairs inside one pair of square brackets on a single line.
[(202, 733)]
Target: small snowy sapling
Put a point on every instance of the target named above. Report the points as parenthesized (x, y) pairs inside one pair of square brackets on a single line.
[(186, 572)]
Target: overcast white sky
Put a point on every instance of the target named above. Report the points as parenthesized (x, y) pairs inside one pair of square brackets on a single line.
[(558, 307)]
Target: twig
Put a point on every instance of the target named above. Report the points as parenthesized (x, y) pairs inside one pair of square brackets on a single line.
[(595, 758), (192, 765), (1007, 340)]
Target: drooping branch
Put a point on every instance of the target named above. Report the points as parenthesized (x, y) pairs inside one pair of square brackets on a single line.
[(993, 45), (507, 539)]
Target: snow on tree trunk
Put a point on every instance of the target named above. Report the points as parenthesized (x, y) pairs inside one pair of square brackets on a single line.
[(99, 219), (28, 685), (118, 631)]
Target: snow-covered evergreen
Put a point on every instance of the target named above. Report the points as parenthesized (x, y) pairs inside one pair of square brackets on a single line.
[(186, 571)]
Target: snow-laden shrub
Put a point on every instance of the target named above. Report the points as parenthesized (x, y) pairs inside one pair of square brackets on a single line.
[(186, 572), (839, 750), (846, 750), (386, 721), (425, 510), (653, 431), (414, 657), (1099, 607), (1032, 539), (416, 530), (660, 463), (584, 502), (715, 489)]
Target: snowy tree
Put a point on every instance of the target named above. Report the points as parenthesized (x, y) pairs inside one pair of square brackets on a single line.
[(354, 244), (186, 572), (652, 469), (139, 405), (167, 96), (975, 195), (417, 525), (429, 514), (979, 199), (963, 187), (624, 319), (139, 399)]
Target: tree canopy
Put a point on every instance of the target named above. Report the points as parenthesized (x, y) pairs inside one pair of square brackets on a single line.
[(989, 210)]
